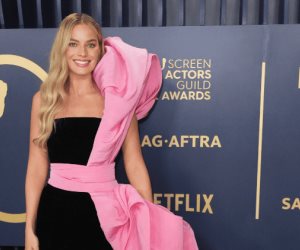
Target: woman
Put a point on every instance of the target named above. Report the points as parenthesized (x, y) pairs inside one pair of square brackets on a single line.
[(78, 130)]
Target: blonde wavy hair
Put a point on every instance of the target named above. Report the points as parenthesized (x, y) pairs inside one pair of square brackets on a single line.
[(53, 90)]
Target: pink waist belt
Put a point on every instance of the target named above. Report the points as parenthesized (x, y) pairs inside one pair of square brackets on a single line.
[(81, 178), (128, 221)]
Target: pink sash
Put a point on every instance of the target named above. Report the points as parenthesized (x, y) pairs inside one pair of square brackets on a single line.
[(129, 78)]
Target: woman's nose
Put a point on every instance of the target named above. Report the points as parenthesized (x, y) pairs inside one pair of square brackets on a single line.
[(82, 51)]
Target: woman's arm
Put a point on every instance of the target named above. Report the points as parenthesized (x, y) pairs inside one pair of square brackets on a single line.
[(37, 168), (135, 166)]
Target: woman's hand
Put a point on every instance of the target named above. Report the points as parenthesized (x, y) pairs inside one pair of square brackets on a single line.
[(31, 241)]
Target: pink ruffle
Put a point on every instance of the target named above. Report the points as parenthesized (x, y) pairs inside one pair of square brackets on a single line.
[(130, 222), (129, 78)]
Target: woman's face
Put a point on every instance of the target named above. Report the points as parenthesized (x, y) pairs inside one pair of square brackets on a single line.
[(83, 51)]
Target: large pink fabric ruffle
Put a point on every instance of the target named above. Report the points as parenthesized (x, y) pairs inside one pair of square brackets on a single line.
[(129, 78)]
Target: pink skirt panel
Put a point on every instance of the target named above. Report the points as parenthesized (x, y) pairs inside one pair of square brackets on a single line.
[(128, 221)]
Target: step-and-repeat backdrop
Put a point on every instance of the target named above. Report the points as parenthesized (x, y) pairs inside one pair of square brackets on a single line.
[(221, 144)]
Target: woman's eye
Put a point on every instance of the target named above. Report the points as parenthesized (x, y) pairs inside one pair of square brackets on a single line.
[(72, 44), (91, 45)]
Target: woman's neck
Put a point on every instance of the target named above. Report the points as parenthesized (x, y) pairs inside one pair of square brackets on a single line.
[(79, 86)]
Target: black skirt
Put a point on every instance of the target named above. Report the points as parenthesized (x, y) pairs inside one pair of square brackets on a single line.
[(68, 221)]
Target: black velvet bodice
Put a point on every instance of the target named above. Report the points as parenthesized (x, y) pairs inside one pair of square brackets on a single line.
[(72, 140)]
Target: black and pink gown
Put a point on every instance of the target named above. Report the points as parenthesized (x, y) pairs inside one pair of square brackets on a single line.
[(129, 79), (65, 219)]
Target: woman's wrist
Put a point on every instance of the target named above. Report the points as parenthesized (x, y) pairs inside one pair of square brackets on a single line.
[(29, 227)]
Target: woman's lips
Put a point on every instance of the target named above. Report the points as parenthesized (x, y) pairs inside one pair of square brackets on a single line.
[(82, 63)]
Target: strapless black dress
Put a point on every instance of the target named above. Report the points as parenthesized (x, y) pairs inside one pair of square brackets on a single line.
[(68, 220)]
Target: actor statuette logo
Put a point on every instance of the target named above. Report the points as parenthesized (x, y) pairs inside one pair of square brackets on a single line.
[(35, 69), (187, 79), (3, 93)]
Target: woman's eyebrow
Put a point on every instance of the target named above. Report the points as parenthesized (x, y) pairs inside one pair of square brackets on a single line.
[(91, 40)]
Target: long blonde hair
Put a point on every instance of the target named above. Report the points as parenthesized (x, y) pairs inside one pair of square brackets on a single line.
[(53, 89)]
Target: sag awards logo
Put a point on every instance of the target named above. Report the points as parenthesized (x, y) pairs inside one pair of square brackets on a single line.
[(14, 60), (181, 141), (189, 79), (290, 203)]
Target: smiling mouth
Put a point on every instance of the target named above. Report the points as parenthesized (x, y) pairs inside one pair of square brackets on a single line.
[(82, 63)]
